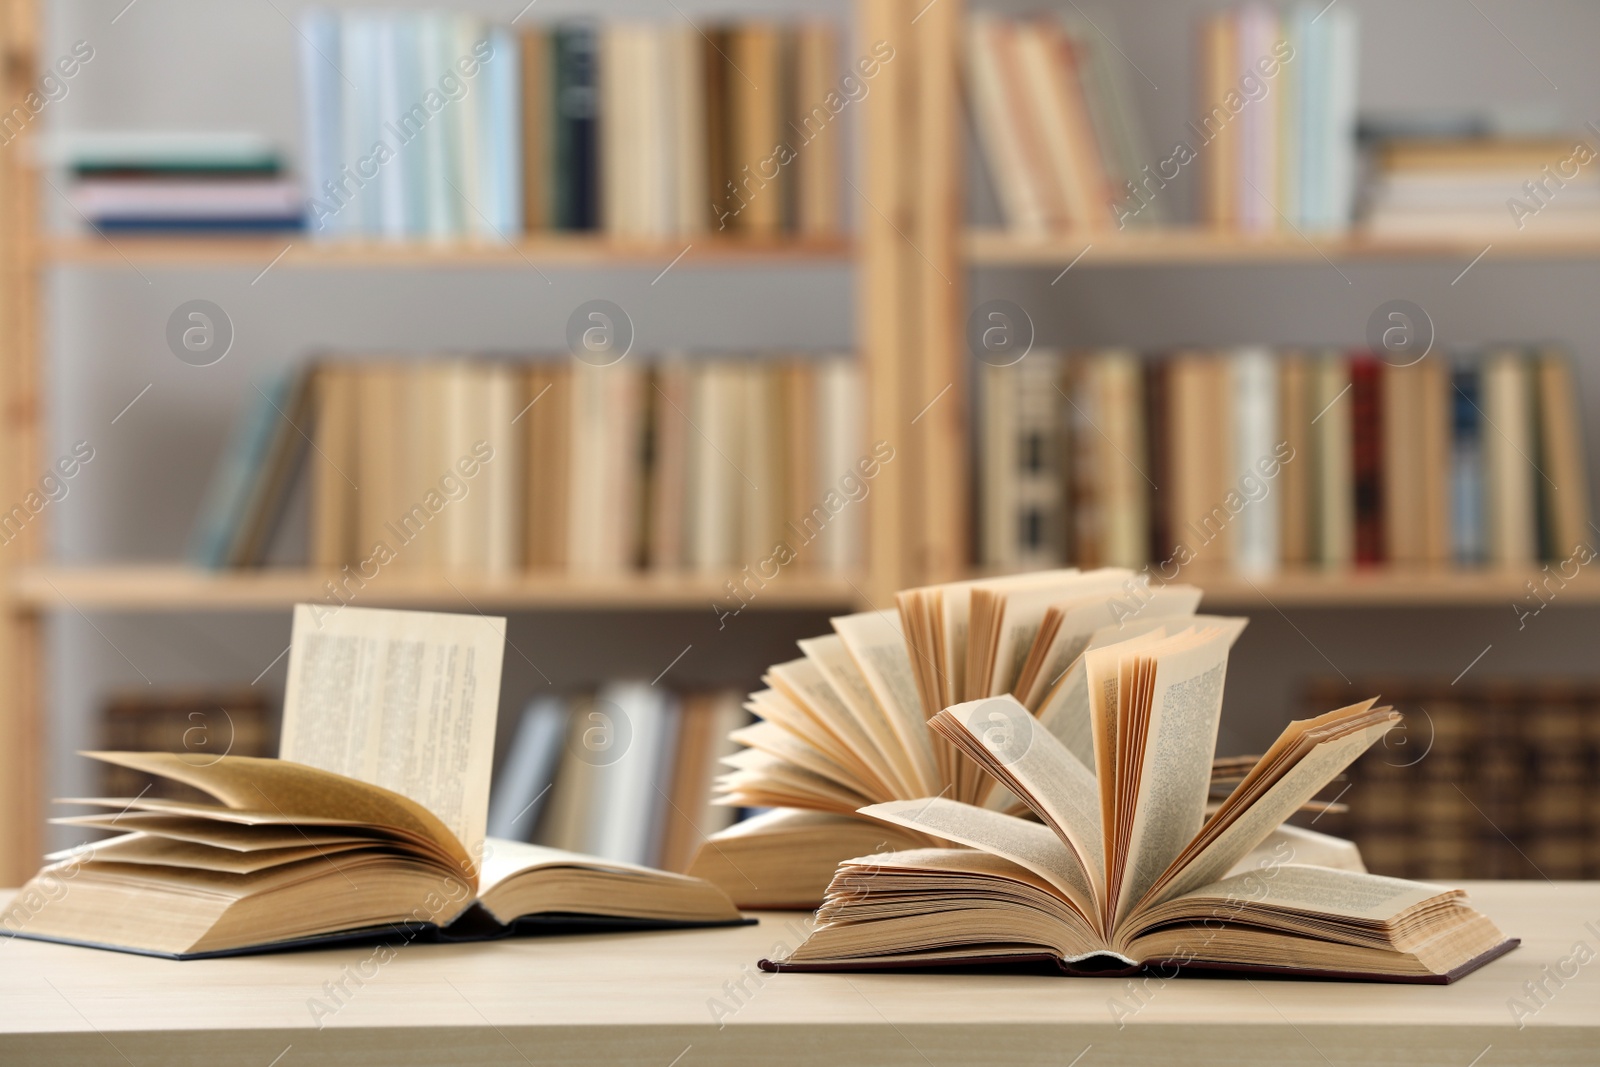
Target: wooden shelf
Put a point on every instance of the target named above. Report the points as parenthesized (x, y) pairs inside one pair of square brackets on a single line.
[(154, 588), (177, 588), (1379, 588), (554, 250), (998, 248)]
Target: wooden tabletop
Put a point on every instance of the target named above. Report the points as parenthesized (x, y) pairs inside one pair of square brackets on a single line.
[(692, 998)]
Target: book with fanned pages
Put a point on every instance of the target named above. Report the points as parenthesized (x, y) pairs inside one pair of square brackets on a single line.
[(1119, 869), (846, 725), (371, 827)]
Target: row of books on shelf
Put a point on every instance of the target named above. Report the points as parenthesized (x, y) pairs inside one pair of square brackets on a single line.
[(1252, 459), (1276, 125), (447, 126), (1274, 132), (494, 465), (624, 773)]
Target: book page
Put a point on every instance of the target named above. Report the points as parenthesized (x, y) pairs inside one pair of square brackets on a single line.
[(1025, 843), (1324, 891), (1020, 611), (1039, 770), (1282, 799), (1082, 620), (1175, 773), (402, 699), (838, 667), (803, 682), (879, 650)]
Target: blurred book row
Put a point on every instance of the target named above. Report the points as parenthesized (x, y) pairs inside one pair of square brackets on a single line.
[(430, 124), (1486, 779), (445, 125), (1056, 125), (490, 466), (623, 772), (1252, 459)]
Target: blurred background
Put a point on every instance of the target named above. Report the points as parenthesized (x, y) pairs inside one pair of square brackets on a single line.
[(181, 170)]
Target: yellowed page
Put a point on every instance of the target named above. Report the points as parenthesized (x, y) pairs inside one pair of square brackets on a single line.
[(804, 683), (1083, 618), (1022, 610), (1039, 769), (1024, 843), (1326, 891), (1281, 800), (1175, 773), (280, 791), (833, 661), (406, 700), (876, 644)]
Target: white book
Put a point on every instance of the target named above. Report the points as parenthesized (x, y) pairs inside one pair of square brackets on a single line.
[(390, 185), (522, 786), (713, 495), (625, 793), (320, 114), (471, 139), (1343, 53), (1255, 391), (842, 440), (997, 130), (691, 185), (358, 51), (503, 90), (442, 205)]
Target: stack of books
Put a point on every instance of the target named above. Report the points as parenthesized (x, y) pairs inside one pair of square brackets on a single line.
[(1253, 459), (448, 126), (185, 182), (491, 466), (1275, 129), (1057, 126), (624, 772), (1442, 187)]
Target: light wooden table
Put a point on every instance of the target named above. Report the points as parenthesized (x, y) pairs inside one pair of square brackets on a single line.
[(692, 998)]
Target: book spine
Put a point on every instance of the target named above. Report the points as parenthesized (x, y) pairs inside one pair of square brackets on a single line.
[(1367, 464)]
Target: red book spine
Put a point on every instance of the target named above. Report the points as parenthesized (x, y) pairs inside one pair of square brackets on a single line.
[(1367, 467)]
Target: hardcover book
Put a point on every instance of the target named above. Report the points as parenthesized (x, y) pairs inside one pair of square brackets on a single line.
[(371, 826)]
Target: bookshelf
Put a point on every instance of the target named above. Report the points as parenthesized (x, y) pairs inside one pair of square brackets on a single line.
[(912, 256), (1204, 247)]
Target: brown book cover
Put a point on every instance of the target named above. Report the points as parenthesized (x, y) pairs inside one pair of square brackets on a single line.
[(546, 469), (538, 79), (814, 134), (1158, 424), (332, 492), (755, 92), (1294, 476), (1367, 416)]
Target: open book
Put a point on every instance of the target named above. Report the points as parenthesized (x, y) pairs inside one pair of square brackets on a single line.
[(1122, 868), (372, 825), (847, 725)]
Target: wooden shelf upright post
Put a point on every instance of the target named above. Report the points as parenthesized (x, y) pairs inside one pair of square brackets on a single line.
[(22, 753)]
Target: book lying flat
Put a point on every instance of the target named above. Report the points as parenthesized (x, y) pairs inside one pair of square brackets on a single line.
[(1122, 870), (294, 856), (371, 826)]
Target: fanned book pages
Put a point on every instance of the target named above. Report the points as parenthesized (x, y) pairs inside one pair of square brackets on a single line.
[(371, 826), (847, 725), (1119, 867)]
